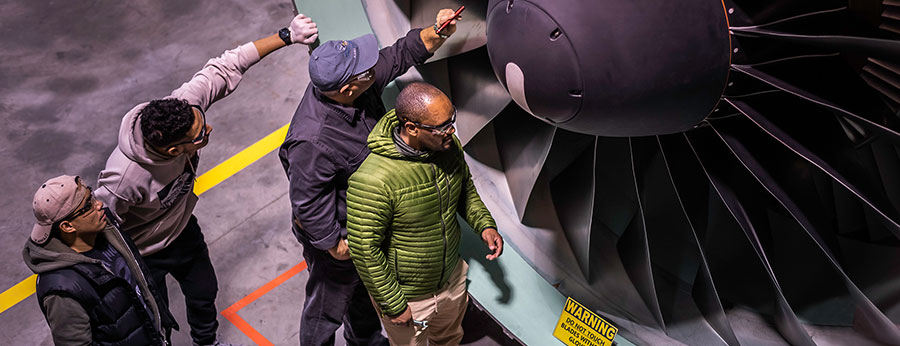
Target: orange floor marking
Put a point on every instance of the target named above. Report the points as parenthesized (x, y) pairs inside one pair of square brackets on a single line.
[(231, 313)]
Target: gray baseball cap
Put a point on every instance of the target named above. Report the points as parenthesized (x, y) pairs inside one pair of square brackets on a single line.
[(333, 63), (53, 201)]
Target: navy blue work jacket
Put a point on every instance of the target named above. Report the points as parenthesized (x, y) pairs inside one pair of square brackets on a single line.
[(326, 143)]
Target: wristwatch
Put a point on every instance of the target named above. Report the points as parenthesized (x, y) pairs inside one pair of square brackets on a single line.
[(285, 35), (436, 27)]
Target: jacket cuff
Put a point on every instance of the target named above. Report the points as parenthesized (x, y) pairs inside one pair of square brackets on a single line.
[(329, 240), (483, 226), (394, 311)]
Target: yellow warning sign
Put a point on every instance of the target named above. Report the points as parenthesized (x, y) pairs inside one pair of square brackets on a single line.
[(579, 326)]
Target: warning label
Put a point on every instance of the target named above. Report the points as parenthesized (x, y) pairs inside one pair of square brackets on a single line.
[(579, 326)]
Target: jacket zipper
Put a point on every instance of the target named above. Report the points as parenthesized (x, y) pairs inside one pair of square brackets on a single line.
[(443, 226), (143, 279)]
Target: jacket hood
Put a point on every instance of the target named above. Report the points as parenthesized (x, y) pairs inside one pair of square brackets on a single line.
[(381, 139), (131, 141), (52, 256)]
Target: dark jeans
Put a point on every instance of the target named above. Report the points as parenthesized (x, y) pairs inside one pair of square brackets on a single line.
[(187, 259), (336, 295)]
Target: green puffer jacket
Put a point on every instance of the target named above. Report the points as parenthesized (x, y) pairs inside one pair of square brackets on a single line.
[(401, 218)]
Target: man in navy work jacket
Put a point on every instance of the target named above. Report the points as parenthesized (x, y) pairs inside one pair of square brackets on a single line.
[(325, 144)]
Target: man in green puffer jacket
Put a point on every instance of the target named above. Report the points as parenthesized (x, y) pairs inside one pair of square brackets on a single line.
[(401, 219)]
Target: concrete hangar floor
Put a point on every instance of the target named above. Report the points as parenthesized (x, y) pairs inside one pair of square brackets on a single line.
[(71, 70)]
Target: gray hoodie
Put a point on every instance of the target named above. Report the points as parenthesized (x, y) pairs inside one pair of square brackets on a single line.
[(150, 193), (69, 323)]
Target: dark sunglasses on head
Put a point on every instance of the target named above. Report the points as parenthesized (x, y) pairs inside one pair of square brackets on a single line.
[(200, 137), (441, 129)]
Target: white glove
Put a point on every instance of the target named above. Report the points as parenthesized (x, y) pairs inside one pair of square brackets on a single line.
[(303, 30)]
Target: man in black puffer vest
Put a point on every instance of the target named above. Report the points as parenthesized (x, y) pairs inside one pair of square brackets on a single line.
[(91, 284)]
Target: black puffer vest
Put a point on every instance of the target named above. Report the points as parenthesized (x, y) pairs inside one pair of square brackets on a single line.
[(117, 315)]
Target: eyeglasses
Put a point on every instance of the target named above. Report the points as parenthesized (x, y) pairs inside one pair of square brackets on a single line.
[(200, 137), (87, 207), (440, 130), (365, 76)]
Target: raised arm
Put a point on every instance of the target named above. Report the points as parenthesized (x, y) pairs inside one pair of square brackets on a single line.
[(430, 37), (221, 75), (302, 30), (413, 49)]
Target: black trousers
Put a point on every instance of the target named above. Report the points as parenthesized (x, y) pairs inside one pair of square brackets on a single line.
[(187, 259), (335, 295)]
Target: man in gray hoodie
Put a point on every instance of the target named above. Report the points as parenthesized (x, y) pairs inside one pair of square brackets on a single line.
[(149, 177), (92, 285)]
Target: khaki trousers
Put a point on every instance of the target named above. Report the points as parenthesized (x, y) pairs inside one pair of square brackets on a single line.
[(443, 310)]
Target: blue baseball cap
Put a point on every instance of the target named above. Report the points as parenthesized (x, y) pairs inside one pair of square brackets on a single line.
[(333, 63)]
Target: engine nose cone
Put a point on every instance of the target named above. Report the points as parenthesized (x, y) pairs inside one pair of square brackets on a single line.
[(612, 67)]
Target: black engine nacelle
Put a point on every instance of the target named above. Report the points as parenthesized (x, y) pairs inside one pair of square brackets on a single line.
[(612, 67)]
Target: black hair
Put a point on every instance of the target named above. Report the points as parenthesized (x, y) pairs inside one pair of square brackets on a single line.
[(55, 231), (413, 100), (163, 122)]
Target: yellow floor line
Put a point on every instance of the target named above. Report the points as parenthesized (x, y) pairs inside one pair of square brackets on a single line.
[(17, 293), (238, 162), (204, 182)]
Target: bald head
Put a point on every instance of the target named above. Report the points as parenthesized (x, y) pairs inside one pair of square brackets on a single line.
[(417, 100), (431, 117)]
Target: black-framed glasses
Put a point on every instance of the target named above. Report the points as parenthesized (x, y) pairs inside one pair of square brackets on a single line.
[(200, 137), (88, 205), (365, 76), (440, 130)]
